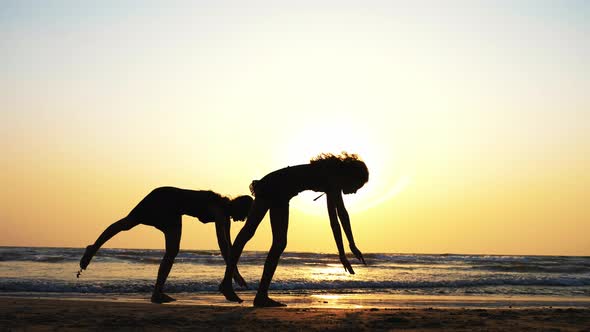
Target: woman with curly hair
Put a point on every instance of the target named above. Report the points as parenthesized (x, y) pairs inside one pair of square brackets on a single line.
[(327, 173), (163, 209)]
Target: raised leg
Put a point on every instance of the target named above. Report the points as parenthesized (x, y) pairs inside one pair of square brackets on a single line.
[(124, 224), (172, 247), (279, 221), (257, 212)]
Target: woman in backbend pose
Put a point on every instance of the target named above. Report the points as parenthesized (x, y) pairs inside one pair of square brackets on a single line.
[(327, 173), (163, 208)]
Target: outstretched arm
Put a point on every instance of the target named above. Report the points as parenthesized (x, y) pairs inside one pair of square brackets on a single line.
[(337, 233), (222, 228), (345, 220)]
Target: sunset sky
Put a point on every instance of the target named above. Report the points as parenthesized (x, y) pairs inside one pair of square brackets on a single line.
[(473, 118)]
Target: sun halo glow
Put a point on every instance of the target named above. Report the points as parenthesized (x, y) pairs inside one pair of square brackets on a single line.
[(313, 140)]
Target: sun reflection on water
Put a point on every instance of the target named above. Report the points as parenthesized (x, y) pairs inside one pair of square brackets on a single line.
[(330, 272), (327, 296), (336, 301)]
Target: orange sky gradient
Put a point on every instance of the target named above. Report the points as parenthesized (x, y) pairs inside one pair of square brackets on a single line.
[(473, 118)]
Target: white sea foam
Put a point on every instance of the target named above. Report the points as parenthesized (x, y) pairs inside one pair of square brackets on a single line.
[(130, 271)]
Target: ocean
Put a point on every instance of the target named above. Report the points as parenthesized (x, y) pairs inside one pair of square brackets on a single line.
[(131, 274)]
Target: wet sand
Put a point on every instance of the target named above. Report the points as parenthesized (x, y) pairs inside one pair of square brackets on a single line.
[(40, 314)]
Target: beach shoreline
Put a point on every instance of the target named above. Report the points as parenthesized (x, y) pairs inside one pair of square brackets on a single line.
[(44, 314), (334, 300)]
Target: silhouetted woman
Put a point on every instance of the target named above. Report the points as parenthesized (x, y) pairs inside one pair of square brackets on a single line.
[(163, 208), (327, 173)]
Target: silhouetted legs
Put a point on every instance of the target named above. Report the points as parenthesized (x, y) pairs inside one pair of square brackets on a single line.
[(279, 221), (172, 236), (257, 212), (172, 247), (124, 224)]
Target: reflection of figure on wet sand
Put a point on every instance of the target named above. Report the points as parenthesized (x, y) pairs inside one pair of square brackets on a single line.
[(327, 173), (163, 208)]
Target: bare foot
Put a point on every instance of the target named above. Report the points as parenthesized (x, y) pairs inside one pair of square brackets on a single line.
[(88, 254), (161, 298), (229, 293), (267, 302)]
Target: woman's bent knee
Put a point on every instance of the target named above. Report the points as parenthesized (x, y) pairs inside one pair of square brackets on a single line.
[(279, 245), (126, 223)]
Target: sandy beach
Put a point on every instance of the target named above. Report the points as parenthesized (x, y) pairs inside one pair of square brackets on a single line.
[(28, 314)]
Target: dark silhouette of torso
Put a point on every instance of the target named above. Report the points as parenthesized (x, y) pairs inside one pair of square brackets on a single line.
[(164, 206), (288, 182)]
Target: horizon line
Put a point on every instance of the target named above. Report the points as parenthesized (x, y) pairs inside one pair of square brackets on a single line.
[(324, 253)]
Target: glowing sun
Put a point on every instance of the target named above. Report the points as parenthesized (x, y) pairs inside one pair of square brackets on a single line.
[(313, 139)]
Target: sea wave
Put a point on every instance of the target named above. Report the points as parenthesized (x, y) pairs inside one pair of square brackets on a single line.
[(140, 286), (492, 263)]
